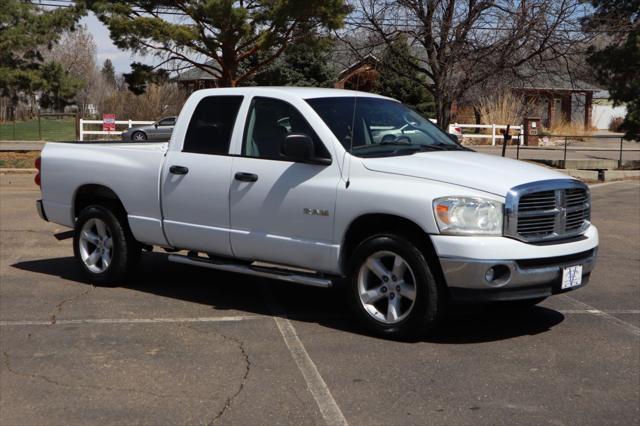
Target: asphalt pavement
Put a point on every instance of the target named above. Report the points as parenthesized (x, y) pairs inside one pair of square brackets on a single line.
[(183, 345)]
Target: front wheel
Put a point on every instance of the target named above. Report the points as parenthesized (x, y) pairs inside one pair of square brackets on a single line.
[(104, 245), (392, 289)]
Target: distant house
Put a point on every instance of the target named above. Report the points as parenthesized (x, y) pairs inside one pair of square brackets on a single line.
[(196, 78), (553, 96), (556, 98), (361, 75)]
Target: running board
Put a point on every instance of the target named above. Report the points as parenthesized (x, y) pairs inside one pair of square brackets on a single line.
[(258, 271)]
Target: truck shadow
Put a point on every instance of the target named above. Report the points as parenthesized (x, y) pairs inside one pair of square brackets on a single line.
[(224, 291)]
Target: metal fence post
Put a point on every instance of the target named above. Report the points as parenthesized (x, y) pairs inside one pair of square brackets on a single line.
[(620, 160), (565, 153)]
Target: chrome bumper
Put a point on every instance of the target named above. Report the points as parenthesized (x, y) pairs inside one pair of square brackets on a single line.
[(40, 210), (520, 279)]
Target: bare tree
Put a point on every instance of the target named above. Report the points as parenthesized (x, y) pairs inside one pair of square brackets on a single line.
[(459, 45), (76, 52)]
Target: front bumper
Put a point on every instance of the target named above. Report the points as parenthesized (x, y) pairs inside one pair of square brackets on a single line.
[(519, 276)]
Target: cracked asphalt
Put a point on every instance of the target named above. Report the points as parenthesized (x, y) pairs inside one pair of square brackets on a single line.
[(182, 345)]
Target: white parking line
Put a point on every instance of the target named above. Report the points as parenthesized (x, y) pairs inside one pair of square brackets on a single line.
[(328, 407), (133, 320), (597, 312)]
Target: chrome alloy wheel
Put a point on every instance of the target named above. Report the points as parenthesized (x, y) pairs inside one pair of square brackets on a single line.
[(387, 287), (139, 136), (96, 245)]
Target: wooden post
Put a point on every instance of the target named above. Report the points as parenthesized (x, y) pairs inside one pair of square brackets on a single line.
[(588, 105), (78, 125)]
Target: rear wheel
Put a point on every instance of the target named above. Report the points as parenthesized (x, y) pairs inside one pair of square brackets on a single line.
[(104, 245), (392, 289), (139, 136)]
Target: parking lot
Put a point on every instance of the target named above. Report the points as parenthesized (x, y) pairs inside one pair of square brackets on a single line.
[(183, 345)]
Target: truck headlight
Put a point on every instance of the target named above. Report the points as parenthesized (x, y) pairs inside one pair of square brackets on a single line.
[(468, 216)]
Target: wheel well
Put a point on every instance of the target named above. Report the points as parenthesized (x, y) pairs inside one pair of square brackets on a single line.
[(96, 194), (376, 224)]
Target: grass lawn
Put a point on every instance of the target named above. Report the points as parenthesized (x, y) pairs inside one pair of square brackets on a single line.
[(63, 129), (18, 160)]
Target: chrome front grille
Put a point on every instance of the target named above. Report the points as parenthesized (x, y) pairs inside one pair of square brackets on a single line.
[(547, 210)]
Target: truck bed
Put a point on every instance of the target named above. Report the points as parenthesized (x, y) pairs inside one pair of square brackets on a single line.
[(132, 170)]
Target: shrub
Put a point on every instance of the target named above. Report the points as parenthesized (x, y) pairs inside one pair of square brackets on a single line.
[(615, 123)]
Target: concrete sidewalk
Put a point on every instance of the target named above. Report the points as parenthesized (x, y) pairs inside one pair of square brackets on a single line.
[(21, 145)]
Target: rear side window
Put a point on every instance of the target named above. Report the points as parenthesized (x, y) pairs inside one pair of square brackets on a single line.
[(211, 125)]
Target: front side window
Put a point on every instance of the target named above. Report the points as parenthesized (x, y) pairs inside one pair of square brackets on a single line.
[(269, 122), (373, 127), (211, 125)]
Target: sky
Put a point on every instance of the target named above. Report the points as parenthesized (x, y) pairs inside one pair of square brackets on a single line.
[(107, 50)]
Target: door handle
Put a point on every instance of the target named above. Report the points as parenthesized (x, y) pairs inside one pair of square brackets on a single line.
[(246, 177), (179, 170)]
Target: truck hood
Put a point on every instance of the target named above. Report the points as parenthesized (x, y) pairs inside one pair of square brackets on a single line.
[(488, 173)]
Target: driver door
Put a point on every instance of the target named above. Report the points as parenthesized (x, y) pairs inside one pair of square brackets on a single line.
[(281, 210)]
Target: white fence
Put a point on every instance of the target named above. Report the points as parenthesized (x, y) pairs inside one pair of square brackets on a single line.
[(129, 123), (516, 131)]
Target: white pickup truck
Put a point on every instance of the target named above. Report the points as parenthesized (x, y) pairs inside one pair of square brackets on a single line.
[(320, 187)]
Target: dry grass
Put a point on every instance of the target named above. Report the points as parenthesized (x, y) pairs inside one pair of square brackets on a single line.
[(502, 108), (158, 101), (567, 128), (18, 160)]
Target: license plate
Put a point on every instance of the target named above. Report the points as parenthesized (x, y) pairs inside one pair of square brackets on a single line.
[(571, 276)]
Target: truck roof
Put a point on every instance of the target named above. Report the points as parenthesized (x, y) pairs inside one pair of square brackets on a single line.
[(303, 92)]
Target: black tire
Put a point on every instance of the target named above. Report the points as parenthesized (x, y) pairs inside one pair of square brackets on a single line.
[(429, 305), (138, 136), (125, 250)]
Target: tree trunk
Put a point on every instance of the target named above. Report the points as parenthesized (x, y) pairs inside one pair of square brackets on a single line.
[(443, 110)]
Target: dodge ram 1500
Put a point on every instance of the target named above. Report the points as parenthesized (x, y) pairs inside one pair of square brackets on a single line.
[(323, 187)]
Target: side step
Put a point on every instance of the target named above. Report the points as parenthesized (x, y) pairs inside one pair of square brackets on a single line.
[(258, 271)]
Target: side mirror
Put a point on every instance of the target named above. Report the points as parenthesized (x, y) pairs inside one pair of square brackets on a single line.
[(298, 147), (156, 125)]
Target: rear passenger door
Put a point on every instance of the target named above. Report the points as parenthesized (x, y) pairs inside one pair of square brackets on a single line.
[(195, 181)]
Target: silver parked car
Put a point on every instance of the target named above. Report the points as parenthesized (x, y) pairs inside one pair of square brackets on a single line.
[(159, 131)]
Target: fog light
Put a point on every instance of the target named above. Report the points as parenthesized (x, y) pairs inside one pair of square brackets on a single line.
[(490, 275)]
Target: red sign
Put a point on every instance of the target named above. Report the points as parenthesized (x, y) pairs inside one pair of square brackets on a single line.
[(108, 122)]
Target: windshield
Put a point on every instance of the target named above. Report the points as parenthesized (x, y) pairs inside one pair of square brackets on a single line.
[(374, 127)]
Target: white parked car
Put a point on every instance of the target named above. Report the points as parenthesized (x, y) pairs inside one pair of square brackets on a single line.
[(293, 184)]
